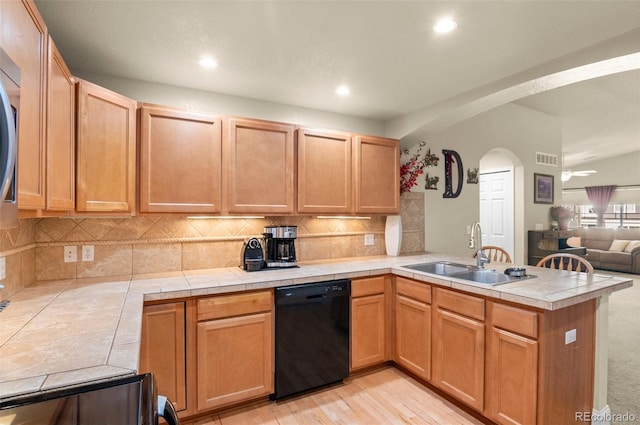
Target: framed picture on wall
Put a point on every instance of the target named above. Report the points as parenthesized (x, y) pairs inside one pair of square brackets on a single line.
[(542, 189)]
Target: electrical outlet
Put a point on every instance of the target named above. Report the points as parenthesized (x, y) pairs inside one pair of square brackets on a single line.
[(569, 337), (369, 239), (87, 252), (70, 254), (3, 268), (468, 229)]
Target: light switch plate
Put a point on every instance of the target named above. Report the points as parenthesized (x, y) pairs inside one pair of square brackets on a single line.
[(369, 239), (570, 337), (3, 268)]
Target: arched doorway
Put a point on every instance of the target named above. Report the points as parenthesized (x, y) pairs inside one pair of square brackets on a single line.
[(501, 202)]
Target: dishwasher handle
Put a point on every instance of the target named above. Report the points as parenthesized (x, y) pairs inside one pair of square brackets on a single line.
[(313, 292)]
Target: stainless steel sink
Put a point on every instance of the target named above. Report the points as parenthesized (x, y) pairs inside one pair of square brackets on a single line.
[(490, 277), (465, 272), (442, 268)]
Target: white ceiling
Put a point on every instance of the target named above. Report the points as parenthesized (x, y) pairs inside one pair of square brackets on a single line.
[(298, 52)]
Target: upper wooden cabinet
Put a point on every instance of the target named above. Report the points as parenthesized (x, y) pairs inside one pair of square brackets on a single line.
[(180, 161), (259, 166), (23, 36), (376, 175), (342, 173), (324, 172), (106, 150), (61, 134)]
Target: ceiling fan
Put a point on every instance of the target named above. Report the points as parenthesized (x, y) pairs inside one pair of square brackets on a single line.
[(567, 174)]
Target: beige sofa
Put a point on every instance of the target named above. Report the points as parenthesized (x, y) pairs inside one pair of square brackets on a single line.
[(610, 249)]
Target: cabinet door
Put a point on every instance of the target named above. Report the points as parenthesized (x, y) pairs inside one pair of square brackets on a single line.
[(260, 166), (106, 150), (512, 378), (413, 336), (180, 161), (61, 134), (377, 175), (24, 39), (367, 331), (458, 357), (162, 350), (235, 360), (324, 172)]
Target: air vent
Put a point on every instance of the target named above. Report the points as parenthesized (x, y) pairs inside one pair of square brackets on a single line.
[(546, 159)]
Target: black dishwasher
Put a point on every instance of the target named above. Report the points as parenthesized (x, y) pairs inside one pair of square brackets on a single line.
[(312, 336)]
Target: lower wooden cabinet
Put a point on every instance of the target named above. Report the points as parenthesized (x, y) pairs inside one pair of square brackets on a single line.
[(413, 326), (512, 365), (369, 322), (235, 354), (459, 346), (512, 378), (163, 350)]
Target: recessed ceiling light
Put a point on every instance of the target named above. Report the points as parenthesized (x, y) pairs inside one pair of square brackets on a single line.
[(207, 62), (445, 25), (343, 91)]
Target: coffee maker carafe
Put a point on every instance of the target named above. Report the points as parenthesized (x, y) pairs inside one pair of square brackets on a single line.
[(280, 250)]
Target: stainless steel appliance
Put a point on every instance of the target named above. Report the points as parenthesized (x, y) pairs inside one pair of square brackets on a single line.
[(252, 257), (131, 400), (280, 246), (312, 336), (9, 107)]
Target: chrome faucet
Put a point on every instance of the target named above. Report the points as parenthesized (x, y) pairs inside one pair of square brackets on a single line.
[(475, 242)]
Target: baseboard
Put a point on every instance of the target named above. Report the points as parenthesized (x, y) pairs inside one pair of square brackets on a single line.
[(602, 416)]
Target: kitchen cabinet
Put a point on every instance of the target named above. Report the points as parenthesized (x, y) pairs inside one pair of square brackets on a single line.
[(180, 161), (369, 321), (163, 350), (413, 326), (512, 364), (23, 36), (106, 150), (341, 173), (259, 166), (234, 348), (61, 134), (324, 172), (458, 342), (376, 175)]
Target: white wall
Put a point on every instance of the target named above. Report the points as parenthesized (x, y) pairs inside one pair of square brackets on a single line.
[(199, 100), (519, 130)]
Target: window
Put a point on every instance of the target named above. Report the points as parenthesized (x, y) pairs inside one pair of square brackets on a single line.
[(617, 215)]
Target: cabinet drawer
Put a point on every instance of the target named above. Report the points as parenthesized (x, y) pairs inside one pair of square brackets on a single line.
[(412, 289), (467, 305), (234, 305), (367, 286), (514, 319)]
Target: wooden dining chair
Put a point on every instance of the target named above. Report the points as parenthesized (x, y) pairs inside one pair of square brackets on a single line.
[(495, 253), (564, 261)]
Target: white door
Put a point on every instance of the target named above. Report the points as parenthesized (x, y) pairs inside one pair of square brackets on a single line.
[(496, 209)]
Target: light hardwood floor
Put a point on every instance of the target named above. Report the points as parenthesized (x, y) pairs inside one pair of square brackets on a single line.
[(386, 396)]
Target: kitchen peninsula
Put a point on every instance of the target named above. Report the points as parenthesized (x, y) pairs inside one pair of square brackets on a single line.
[(62, 333)]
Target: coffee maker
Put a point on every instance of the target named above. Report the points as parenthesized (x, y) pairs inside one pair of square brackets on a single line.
[(280, 250)]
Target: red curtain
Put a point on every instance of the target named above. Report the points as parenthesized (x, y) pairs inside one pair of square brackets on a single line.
[(600, 197)]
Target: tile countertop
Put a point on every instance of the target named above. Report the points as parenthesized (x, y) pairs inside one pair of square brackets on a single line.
[(68, 332)]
